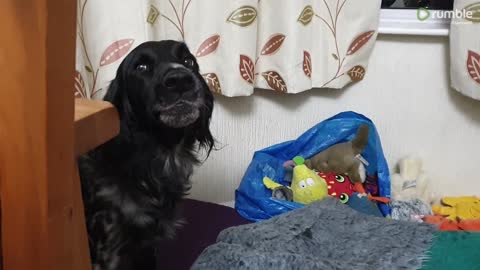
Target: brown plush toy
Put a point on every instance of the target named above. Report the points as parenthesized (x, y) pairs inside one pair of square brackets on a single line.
[(344, 158)]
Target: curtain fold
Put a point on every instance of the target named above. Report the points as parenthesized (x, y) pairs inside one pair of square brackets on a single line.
[(287, 46), (465, 49)]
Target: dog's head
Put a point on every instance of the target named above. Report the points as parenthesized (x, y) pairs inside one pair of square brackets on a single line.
[(158, 87)]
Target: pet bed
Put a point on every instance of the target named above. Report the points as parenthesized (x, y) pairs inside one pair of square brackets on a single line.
[(330, 235)]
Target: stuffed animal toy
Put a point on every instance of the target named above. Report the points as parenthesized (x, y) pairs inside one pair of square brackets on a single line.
[(344, 159), (411, 196), (411, 182), (306, 186), (339, 186), (342, 188)]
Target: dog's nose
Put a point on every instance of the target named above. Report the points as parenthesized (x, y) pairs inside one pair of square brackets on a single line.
[(178, 80)]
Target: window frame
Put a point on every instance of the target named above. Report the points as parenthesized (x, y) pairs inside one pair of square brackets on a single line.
[(405, 22)]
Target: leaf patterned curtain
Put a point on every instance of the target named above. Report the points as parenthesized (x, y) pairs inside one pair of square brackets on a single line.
[(465, 48), (288, 46)]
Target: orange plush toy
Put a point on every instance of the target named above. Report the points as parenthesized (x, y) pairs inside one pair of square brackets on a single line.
[(445, 224)]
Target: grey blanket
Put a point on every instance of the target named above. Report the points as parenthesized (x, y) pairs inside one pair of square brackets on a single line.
[(323, 235)]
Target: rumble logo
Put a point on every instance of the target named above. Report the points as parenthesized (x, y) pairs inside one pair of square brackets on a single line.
[(470, 13)]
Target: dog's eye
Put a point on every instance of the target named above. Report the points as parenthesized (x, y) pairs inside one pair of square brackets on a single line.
[(142, 67), (189, 62)]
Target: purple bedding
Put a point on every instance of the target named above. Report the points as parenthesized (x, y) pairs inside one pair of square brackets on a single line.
[(204, 221)]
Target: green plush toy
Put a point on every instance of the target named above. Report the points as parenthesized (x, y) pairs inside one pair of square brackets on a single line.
[(306, 187)]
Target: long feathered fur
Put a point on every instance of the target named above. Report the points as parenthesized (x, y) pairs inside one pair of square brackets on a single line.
[(131, 184)]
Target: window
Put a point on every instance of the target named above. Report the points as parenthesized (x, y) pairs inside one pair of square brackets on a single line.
[(409, 4), (406, 17)]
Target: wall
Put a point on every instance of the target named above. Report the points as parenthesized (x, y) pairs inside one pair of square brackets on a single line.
[(406, 93)]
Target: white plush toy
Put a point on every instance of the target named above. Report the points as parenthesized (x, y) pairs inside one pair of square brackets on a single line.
[(411, 182)]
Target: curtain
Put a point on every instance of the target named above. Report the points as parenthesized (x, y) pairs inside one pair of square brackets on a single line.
[(287, 46), (465, 49)]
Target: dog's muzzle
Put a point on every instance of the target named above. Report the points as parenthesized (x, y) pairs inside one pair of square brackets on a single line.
[(179, 98)]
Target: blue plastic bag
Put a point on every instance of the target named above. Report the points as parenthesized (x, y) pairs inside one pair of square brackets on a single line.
[(253, 200)]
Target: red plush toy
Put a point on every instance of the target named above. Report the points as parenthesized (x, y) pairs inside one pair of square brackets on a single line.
[(340, 187)]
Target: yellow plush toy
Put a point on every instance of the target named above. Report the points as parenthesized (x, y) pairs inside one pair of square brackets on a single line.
[(463, 208), (306, 187)]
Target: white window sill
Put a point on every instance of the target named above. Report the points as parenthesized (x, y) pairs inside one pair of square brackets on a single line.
[(405, 22)]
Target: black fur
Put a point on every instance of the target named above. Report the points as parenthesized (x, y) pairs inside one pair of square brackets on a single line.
[(131, 184)]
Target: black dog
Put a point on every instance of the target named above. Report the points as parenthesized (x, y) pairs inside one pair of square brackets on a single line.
[(131, 184)]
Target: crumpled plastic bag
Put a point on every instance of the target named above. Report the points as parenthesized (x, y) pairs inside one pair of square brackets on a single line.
[(254, 201)]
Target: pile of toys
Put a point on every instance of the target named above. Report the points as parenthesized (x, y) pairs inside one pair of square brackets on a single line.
[(342, 157), (413, 199), (338, 171)]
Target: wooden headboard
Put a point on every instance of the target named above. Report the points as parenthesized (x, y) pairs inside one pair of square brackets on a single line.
[(42, 219)]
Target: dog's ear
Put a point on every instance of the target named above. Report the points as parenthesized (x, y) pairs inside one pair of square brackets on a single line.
[(117, 95), (117, 92), (113, 93), (202, 127)]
